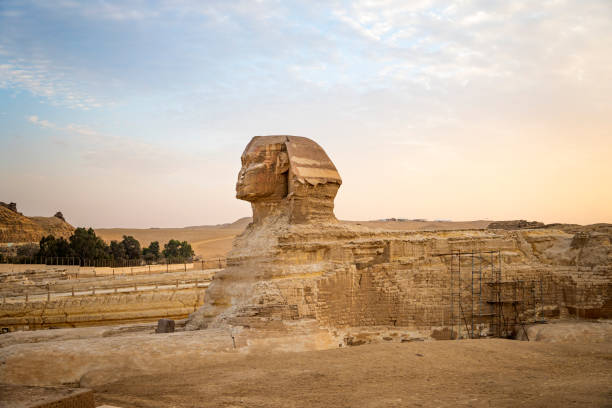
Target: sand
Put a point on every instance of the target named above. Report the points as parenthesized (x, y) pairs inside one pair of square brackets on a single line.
[(475, 373), (207, 241)]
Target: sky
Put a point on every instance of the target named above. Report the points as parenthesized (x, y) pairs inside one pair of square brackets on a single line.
[(135, 113)]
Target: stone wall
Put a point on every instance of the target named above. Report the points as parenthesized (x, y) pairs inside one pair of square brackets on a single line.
[(101, 309), (61, 297)]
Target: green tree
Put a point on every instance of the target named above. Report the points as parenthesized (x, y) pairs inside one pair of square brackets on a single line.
[(28, 250), (87, 245), (171, 249), (132, 247), (117, 251), (151, 253), (175, 250), (185, 251), (51, 247)]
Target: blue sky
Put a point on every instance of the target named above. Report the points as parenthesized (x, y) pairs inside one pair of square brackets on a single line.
[(135, 113)]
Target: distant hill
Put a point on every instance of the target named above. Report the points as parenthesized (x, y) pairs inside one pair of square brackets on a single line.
[(17, 228)]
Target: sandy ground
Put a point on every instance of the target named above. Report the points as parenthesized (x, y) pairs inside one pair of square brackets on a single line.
[(207, 241), (475, 373)]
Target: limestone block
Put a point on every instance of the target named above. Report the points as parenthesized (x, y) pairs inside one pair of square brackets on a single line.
[(165, 326)]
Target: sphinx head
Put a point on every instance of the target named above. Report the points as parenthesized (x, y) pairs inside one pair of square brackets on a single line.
[(289, 174)]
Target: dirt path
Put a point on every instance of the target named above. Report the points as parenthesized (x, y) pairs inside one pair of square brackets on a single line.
[(474, 373)]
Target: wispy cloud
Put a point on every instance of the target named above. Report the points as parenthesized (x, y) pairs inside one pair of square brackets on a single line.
[(257, 46), (101, 150), (521, 43), (44, 79), (41, 122)]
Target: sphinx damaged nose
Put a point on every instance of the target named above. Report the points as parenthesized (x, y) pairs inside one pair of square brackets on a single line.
[(241, 176)]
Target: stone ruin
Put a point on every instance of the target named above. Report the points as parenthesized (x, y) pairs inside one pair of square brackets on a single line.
[(296, 265)]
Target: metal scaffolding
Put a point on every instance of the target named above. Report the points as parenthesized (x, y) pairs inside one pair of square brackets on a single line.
[(509, 301)]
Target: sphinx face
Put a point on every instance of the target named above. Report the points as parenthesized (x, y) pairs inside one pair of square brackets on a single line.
[(263, 175)]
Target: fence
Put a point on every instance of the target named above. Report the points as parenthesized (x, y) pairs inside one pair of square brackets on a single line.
[(210, 263), (77, 261), (29, 295)]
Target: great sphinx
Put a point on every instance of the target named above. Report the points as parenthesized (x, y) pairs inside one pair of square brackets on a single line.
[(296, 263), (291, 184)]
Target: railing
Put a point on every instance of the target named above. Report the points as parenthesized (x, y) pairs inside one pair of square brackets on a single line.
[(29, 295), (104, 263), (211, 263), (88, 271)]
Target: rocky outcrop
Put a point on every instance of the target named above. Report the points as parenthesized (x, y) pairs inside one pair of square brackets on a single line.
[(515, 225), (295, 262), (10, 206), (17, 228), (54, 226)]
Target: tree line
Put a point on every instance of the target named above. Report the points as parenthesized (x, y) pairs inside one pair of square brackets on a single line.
[(85, 244)]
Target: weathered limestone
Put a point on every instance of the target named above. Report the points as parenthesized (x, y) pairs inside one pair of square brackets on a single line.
[(101, 309), (16, 228), (290, 176), (165, 326), (295, 262), (516, 224), (61, 296), (15, 396)]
